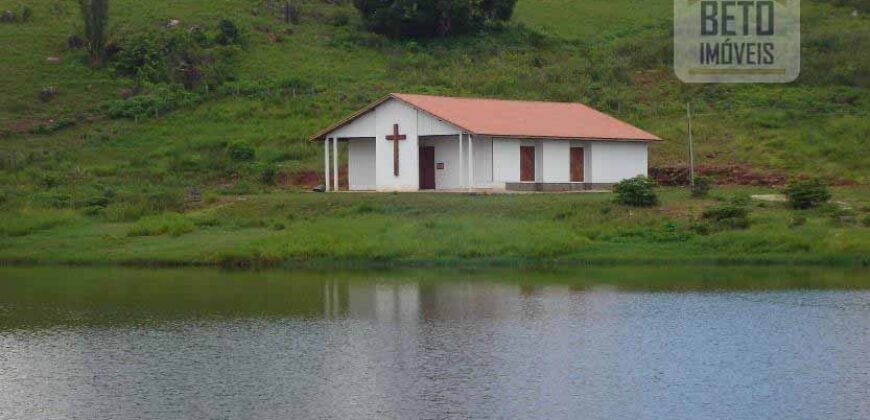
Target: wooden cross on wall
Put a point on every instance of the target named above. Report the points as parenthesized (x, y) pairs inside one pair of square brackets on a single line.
[(395, 138)]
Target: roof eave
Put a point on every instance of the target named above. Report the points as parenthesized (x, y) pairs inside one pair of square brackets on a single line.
[(526, 136)]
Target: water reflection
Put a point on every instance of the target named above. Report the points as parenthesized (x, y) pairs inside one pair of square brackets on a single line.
[(603, 343)]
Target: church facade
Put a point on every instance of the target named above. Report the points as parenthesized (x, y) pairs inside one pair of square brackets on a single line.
[(406, 142)]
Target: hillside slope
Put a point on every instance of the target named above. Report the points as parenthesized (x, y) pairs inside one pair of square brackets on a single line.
[(290, 80)]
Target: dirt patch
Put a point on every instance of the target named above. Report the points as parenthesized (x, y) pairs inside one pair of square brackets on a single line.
[(310, 179)]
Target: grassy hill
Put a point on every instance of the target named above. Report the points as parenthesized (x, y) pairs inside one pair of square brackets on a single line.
[(91, 154)]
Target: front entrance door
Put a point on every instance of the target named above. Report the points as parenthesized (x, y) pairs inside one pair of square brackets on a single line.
[(427, 168), (527, 163), (576, 164)]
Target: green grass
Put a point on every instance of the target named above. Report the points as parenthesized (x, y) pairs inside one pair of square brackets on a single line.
[(26, 221), (426, 228), (594, 19), (173, 224)]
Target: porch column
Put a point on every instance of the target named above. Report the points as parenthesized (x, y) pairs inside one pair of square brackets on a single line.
[(335, 161), (470, 161), (461, 163), (326, 164)]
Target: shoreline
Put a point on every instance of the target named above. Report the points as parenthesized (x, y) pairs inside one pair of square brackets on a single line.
[(847, 261)]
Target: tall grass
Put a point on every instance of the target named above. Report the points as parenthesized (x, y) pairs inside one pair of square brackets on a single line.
[(26, 221), (173, 224)]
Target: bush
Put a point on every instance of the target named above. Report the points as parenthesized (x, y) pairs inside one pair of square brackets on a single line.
[(410, 18), (241, 151), (173, 56), (808, 193), (160, 101), (740, 199), (725, 211), (143, 56), (638, 191), (701, 187), (723, 217), (268, 173), (228, 33)]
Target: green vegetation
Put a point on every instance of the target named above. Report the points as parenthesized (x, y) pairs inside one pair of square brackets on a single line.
[(701, 187), (95, 15), (638, 192), (203, 109), (807, 193), (173, 224), (404, 18), (439, 228)]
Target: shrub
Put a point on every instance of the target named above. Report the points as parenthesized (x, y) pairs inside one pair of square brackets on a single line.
[(723, 217), (241, 151), (741, 199), (228, 33), (638, 191), (866, 220), (143, 56), (26, 14), (808, 193), (173, 224), (410, 18), (340, 19), (268, 174), (725, 211), (160, 101), (173, 56), (701, 187)]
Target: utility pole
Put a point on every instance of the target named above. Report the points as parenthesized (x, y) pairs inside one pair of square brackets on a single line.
[(691, 153)]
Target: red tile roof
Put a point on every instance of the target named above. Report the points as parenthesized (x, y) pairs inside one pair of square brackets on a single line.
[(522, 119)]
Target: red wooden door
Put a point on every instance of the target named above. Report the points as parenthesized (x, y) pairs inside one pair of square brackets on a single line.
[(576, 164), (527, 163), (427, 168)]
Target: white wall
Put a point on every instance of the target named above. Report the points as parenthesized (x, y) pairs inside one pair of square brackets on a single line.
[(603, 161), (377, 124), (364, 126), (483, 170), (389, 113), (506, 160), (432, 126), (361, 164), (557, 161), (614, 161), (446, 152)]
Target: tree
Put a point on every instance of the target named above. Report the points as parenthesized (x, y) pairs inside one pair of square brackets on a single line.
[(95, 14), (428, 18)]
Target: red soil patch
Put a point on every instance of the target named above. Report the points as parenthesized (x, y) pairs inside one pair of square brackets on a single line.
[(740, 174), (310, 179)]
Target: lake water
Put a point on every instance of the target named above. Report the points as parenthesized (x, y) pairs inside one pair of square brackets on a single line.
[(596, 343)]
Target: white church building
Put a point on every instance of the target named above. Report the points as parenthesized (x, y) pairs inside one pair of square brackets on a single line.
[(406, 142)]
